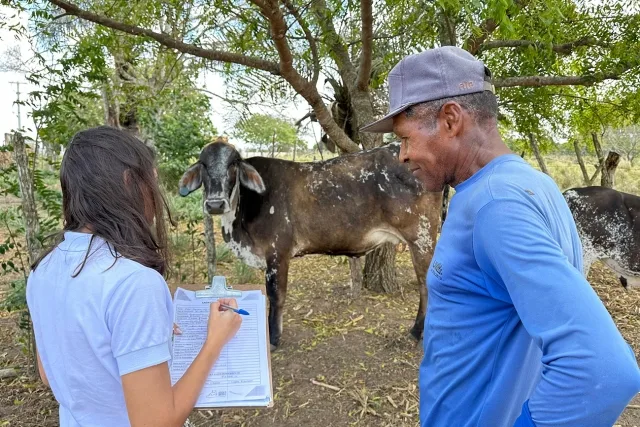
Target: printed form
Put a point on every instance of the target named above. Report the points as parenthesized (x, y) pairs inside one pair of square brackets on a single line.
[(240, 376)]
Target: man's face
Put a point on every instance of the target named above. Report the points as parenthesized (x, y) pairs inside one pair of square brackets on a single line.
[(424, 148)]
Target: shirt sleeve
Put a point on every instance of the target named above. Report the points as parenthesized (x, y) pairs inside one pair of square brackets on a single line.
[(589, 373), (140, 322)]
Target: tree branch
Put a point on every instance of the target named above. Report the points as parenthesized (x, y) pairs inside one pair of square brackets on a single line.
[(334, 41), (364, 73), (539, 81), (215, 55), (487, 27), (306, 89), (308, 36), (564, 48)]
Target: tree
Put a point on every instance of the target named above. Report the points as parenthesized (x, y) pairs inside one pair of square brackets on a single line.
[(542, 53), (624, 140), (266, 133)]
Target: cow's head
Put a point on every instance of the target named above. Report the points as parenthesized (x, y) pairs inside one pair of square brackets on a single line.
[(222, 170)]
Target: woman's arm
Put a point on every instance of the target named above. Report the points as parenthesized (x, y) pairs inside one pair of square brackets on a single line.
[(43, 376), (151, 401)]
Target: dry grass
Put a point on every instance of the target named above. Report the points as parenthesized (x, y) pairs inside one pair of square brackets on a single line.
[(342, 362)]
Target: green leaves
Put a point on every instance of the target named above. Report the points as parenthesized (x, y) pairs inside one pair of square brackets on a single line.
[(264, 133)]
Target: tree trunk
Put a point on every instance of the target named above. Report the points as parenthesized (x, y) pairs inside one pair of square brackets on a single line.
[(355, 265), (597, 147), (609, 170), (445, 202), (273, 145), (585, 174), (29, 207), (30, 212), (536, 151), (210, 243), (295, 145), (380, 271), (446, 29), (110, 107)]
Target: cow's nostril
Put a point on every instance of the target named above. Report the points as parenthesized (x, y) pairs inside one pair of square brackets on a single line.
[(215, 205)]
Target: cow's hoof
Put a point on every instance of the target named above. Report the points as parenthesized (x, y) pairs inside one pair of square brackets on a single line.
[(273, 348), (623, 282), (416, 334)]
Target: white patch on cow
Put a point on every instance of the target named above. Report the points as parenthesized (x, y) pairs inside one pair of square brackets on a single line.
[(272, 210), (286, 218), (379, 236), (365, 174), (270, 274), (246, 255), (315, 183), (280, 321), (386, 175), (423, 241)]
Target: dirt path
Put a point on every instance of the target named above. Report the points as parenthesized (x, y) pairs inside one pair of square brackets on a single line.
[(360, 347)]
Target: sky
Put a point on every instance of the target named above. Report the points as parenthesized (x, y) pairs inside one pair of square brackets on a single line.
[(209, 81)]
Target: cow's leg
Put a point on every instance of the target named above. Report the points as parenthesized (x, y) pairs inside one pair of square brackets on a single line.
[(421, 261), (276, 277)]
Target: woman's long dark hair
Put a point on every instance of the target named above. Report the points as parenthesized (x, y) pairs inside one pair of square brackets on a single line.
[(109, 186)]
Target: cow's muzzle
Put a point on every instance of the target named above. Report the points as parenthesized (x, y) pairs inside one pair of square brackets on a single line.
[(216, 206)]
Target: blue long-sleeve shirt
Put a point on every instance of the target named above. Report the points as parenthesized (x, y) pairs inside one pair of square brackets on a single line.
[(514, 333)]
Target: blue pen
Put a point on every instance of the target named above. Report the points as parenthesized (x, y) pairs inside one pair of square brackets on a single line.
[(237, 310)]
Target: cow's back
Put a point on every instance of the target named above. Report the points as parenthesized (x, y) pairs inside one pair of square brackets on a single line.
[(608, 223), (346, 205)]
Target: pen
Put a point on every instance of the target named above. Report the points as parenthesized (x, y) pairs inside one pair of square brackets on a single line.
[(237, 310)]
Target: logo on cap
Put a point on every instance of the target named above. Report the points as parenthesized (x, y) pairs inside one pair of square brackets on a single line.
[(466, 85)]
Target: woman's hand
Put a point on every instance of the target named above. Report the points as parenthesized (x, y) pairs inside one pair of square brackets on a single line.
[(223, 324)]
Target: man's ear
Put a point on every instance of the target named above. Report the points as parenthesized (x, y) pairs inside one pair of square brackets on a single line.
[(250, 178), (191, 180)]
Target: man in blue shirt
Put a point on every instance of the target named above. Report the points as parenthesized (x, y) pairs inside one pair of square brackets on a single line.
[(514, 333)]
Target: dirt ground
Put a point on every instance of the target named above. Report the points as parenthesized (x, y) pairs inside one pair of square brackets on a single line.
[(357, 352)]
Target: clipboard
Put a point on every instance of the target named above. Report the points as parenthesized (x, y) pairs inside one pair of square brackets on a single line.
[(245, 287)]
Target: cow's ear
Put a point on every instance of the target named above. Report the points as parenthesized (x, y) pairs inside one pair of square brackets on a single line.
[(250, 178), (191, 180)]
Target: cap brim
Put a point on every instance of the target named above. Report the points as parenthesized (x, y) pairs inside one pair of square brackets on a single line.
[(385, 124)]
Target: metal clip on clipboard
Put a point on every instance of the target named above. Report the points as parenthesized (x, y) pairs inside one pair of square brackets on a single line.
[(218, 289)]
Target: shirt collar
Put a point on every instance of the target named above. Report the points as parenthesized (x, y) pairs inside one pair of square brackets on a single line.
[(75, 241)]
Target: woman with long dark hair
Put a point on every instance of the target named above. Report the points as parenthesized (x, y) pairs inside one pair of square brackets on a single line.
[(100, 306)]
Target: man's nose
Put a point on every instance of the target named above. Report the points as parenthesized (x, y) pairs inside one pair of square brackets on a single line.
[(403, 155)]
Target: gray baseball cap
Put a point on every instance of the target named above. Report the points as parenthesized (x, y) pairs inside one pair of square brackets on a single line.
[(433, 74)]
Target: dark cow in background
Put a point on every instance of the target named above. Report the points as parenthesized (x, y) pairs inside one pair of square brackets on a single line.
[(273, 210), (608, 222)]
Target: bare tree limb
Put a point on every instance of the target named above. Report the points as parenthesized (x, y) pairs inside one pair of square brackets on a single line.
[(564, 48), (364, 73), (215, 55), (308, 36), (303, 87), (583, 168), (539, 81)]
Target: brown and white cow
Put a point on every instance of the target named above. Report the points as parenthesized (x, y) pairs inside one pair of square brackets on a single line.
[(608, 222), (273, 210)]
